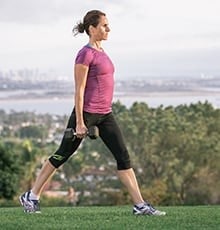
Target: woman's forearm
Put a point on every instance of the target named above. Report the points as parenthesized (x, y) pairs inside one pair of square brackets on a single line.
[(81, 72), (79, 101)]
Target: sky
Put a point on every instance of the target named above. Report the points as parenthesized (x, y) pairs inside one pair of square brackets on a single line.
[(147, 38)]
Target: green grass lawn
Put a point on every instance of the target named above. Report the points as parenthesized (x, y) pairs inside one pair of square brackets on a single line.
[(114, 217)]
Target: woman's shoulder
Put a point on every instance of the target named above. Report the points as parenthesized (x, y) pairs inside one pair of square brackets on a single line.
[(86, 51), (85, 55)]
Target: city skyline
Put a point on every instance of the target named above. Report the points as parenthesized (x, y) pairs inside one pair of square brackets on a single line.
[(152, 37)]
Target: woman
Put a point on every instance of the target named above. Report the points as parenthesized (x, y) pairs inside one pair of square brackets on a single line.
[(93, 100)]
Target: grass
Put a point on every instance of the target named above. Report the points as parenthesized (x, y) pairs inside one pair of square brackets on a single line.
[(114, 217)]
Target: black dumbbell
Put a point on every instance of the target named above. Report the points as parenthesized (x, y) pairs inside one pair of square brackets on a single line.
[(92, 133)]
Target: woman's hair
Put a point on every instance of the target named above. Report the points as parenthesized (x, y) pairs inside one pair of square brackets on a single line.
[(91, 18)]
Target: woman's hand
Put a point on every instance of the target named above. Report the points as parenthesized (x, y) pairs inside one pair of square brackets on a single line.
[(81, 130)]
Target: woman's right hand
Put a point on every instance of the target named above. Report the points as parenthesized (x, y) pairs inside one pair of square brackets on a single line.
[(81, 130)]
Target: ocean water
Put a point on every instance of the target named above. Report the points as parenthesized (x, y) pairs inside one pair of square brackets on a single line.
[(64, 106)]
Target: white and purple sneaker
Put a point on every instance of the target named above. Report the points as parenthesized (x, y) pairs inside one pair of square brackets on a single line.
[(147, 209), (30, 206)]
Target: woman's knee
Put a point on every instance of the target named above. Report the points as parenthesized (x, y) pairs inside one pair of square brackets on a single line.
[(57, 159)]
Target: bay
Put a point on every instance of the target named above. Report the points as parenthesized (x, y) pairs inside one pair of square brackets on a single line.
[(63, 106)]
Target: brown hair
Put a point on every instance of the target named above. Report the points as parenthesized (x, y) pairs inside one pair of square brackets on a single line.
[(91, 18)]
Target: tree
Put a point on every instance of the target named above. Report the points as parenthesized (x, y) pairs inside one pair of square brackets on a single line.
[(10, 169), (31, 158), (32, 131)]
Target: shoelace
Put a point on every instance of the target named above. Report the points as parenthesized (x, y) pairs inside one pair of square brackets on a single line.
[(150, 206)]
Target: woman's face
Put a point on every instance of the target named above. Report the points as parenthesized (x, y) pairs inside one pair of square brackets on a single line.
[(100, 32)]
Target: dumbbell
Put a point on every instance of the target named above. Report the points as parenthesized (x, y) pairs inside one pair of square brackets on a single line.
[(92, 133)]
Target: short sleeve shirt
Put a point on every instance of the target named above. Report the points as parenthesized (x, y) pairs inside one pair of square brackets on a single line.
[(99, 87)]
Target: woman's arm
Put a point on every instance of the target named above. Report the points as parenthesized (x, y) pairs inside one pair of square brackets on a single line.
[(81, 72)]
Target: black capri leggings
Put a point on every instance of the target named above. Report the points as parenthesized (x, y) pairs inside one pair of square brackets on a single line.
[(109, 132)]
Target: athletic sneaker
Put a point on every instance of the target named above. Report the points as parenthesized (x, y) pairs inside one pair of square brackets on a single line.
[(30, 206), (147, 209)]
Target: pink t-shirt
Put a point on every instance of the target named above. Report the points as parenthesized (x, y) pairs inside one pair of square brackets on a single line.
[(100, 80)]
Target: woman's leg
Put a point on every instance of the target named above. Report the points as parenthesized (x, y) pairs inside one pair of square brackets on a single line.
[(45, 174), (65, 150), (30, 199), (128, 178), (113, 138)]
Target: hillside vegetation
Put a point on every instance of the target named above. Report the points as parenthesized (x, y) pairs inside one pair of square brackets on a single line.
[(175, 152)]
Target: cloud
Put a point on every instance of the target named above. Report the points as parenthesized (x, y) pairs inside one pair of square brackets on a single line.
[(39, 31), (41, 11)]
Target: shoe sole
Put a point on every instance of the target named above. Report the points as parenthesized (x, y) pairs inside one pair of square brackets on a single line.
[(26, 210), (149, 214)]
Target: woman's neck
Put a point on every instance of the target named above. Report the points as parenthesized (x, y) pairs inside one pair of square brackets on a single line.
[(96, 45)]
